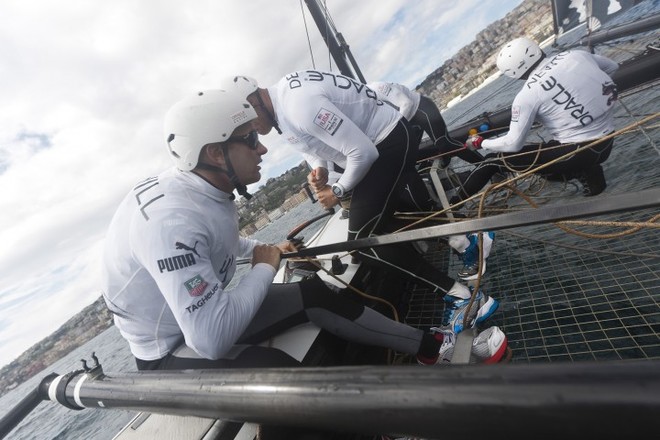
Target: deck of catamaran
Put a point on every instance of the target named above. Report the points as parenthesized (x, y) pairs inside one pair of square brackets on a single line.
[(566, 296)]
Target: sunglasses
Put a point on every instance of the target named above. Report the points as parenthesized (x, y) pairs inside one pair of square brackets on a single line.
[(251, 139)]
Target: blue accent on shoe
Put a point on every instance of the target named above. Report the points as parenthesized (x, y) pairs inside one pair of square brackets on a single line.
[(452, 317), (482, 309), (486, 310), (470, 257), (471, 254)]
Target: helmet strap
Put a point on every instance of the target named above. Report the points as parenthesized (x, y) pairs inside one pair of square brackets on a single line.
[(273, 122), (240, 188), (525, 76)]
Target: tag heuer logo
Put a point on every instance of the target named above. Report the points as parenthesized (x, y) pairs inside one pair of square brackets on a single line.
[(196, 285)]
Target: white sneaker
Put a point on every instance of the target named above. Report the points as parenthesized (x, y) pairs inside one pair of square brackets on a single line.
[(470, 256), (488, 347), (483, 307)]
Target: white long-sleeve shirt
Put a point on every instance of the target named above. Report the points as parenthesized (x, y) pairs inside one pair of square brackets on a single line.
[(570, 94), (170, 252), (406, 101), (330, 117)]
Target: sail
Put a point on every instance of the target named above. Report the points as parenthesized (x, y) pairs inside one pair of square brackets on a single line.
[(568, 14)]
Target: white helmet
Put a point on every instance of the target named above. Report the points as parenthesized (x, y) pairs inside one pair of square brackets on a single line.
[(244, 85), (207, 117), (518, 56)]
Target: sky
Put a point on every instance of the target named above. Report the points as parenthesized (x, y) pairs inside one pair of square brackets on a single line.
[(85, 85)]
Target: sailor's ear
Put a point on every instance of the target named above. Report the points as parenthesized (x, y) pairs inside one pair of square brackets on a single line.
[(214, 153)]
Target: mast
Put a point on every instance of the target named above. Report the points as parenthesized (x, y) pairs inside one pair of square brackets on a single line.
[(337, 46)]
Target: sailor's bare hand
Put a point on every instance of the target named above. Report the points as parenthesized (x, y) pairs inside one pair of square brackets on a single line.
[(327, 198), (318, 178), (265, 253), (287, 246)]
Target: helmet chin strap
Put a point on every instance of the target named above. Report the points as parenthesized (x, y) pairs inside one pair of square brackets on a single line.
[(525, 76), (273, 122), (240, 188)]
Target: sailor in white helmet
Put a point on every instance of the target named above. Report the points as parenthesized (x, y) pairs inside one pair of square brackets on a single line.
[(572, 95), (172, 247), (331, 118)]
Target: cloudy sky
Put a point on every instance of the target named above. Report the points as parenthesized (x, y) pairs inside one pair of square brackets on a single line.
[(84, 87)]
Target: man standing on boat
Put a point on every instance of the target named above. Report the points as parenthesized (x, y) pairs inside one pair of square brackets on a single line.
[(572, 95), (331, 118), (172, 247), (421, 111)]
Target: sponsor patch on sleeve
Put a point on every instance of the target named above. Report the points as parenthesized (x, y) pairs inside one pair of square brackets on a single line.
[(196, 285), (293, 140), (515, 113), (328, 121)]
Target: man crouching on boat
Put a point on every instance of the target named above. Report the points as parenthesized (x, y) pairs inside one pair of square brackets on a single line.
[(171, 251), (572, 95), (329, 117)]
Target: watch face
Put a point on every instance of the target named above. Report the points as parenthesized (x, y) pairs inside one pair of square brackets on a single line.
[(336, 190)]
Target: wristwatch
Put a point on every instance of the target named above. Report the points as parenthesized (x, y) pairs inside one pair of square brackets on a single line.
[(338, 190)]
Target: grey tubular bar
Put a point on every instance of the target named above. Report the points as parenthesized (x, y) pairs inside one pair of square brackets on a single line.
[(614, 398)]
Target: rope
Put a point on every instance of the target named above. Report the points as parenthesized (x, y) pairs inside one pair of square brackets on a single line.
[(527, 173), (580, 248), (315, 262), (634, 227), (624, 130), (625, 107)]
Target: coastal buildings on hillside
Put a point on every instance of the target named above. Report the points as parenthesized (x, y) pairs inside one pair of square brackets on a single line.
[(263, 218), (475, 63), (275, 198)]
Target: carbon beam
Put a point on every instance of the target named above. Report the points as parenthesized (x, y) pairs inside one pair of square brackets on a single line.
[(563, 400), (548, 214)]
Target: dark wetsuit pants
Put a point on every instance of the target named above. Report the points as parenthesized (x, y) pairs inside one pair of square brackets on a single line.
[(533, 156), (288, 305), (428, 117), (390, 180)]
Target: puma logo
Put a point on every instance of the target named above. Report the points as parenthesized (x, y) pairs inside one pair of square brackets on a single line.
[(180, 245)]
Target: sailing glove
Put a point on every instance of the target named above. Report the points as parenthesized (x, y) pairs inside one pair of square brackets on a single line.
[(473, 142)]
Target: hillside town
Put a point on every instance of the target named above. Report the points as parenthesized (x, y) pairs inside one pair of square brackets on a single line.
[(474, 64), (467, 69)]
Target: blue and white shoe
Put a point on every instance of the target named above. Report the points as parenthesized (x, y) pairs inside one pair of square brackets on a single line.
[(482, 308), (489, 347), (470, 256)]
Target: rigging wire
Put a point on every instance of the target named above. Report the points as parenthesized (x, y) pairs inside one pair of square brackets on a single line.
[(329, 24), (309, 42)]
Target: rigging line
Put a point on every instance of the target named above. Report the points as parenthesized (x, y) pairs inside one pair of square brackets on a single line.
[(605, 205), (580, 248), (639, 88), (627, 129), (634, 226), (309, 42), (328, 26), (640, 128)]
